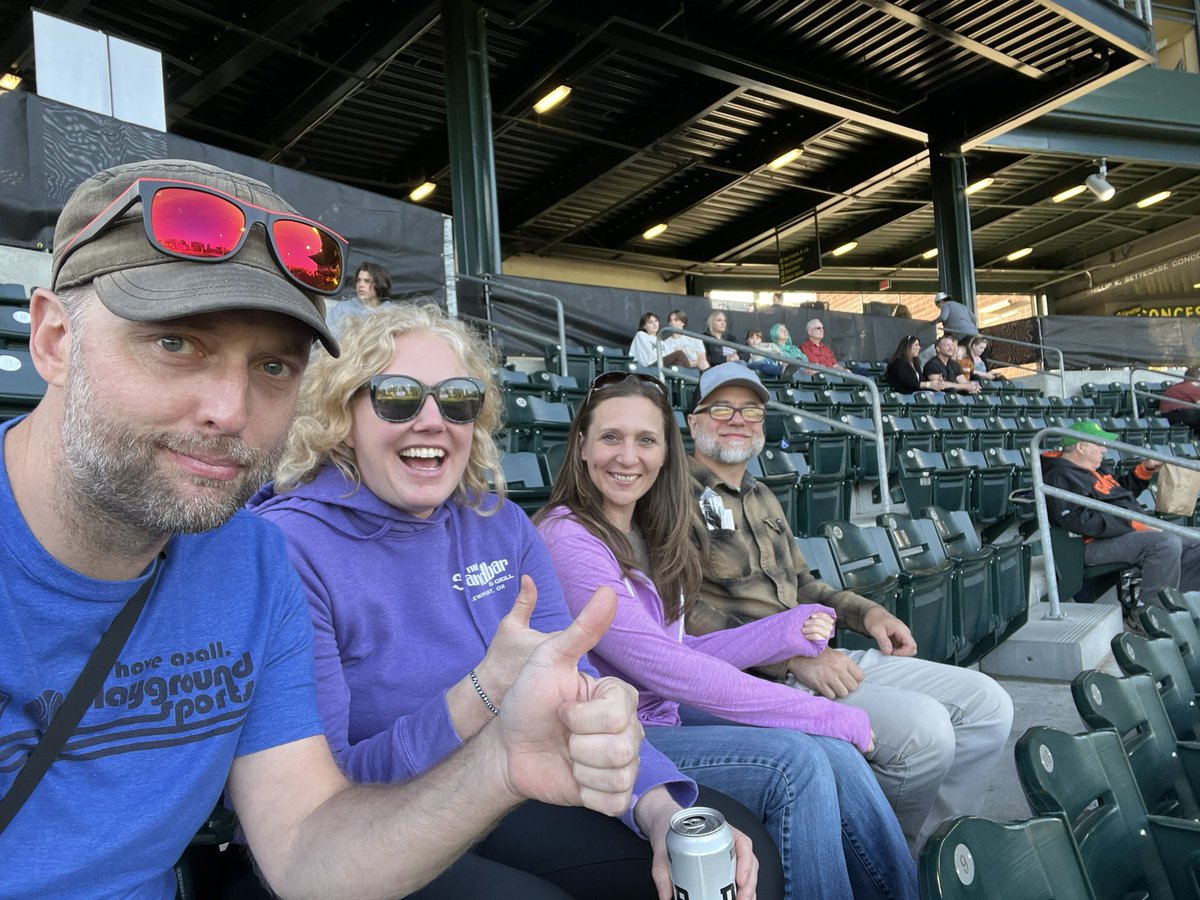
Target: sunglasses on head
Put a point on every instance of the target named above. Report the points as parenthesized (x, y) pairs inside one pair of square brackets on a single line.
[(608, 379), (398, 398), (203, 224)]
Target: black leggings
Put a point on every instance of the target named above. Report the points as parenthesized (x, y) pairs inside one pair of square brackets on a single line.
[(543, 852)]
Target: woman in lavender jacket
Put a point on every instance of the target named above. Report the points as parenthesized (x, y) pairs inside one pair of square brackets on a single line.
[(421, 587), (619, 517)]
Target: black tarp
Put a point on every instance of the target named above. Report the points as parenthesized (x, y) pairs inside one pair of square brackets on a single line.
[(608, 317), (49, 148), (1108, 341)]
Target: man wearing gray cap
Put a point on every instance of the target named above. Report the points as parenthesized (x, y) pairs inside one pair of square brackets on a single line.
[(185, 300), (938, 729)]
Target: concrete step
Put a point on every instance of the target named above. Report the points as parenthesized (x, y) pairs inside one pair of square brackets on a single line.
[(1057, 649)]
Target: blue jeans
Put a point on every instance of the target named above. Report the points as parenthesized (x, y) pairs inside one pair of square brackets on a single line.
[(836, 833)]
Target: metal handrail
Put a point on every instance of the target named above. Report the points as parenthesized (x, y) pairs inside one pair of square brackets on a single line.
[(1062, 366), (876, 415), (1041, 490), (1134, 393), (521, 293), (515, 330)]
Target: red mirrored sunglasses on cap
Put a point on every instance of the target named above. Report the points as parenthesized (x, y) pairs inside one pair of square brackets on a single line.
[(200, 223)]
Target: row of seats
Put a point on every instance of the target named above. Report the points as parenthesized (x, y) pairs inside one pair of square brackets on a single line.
[(958, 596), (1117, 807), (20, 386)]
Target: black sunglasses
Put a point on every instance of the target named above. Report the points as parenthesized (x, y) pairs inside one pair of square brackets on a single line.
[(398, 398)]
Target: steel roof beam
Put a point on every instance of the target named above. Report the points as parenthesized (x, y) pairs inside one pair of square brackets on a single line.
[(802, 90)]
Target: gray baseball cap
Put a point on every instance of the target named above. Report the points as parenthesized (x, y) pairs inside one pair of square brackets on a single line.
[(136, 281), (730, 373)]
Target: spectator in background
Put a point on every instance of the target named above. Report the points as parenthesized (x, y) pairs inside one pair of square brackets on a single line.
[(902, 374), (815, 349), (694, 356), (718, 324), (783, 342), (955, 318), (1165, 560), (644, 348), (973, 348), (943, 370), (372, 289), (761, 364), (901, 312), (1188, 391)]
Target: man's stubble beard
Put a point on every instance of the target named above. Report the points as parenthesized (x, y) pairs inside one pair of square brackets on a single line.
[(709, 446), (113, 487)]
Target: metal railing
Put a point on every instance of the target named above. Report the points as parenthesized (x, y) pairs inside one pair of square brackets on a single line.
[(491, 286), (1041, 491), (1061, 374), (1134, 392), (515, 330), (875, 436)]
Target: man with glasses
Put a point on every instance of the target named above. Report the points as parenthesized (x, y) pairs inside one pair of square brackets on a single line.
[(938, 729), (184, 304), (815, 349)]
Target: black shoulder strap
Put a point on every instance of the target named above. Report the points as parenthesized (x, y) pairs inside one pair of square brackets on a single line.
[(89, 682)]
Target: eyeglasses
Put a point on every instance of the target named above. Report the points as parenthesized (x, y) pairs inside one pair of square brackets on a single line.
[(608, 379), (203, 224), (398, 398), (721, 412)]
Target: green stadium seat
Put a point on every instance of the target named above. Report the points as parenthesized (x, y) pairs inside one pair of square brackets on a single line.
[(1178, 627), (930, 584), (1160, 659), (867, 566)]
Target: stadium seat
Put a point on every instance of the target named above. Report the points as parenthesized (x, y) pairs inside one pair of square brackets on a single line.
[(1175, 600), (1160, 763), (528, 482), (926, 481), (867, 566), (930, 587), (1178, 627), (21, 387), (1159, 658), (534, 424), (819, 498), (969, 858), (990, 485), (775, 469), (1086, 780), (14, 322)]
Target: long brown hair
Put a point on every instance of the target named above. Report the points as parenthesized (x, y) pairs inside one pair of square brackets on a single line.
[(663, 514)]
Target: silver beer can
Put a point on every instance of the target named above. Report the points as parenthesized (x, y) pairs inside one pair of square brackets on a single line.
[(700, 851)]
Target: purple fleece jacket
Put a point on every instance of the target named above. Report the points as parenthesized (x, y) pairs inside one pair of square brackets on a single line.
[(402, 608), (670, 667)]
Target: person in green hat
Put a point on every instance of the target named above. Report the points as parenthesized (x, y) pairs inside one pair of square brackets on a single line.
[(1165, 559)]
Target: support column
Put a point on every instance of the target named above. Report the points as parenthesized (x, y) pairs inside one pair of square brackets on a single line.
[(469, 125), (952, 224)]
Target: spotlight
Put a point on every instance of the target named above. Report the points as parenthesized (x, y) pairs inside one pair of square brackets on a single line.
[(1098, 183)]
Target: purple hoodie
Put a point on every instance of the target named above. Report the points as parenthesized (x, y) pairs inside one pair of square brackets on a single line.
[(402, 608)]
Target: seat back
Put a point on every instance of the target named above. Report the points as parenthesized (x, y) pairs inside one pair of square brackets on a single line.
[(866, 564), (819, 556), (1160, 659), (1182, 601), (968, 858), (21, 387), (1086, 779), (1179, 627), (1131, 707), (929, 582)]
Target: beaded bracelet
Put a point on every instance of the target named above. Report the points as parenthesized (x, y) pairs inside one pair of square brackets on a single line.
[(487, 701)]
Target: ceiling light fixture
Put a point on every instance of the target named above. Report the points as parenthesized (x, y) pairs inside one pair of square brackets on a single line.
[(1152, 199), (784, 158), (845, 248), (979, 185), (552, 99), (654, 231), (1069, 193), (1098, 183), (421, 191), (930, 253), (1019, 254), (10, 81)]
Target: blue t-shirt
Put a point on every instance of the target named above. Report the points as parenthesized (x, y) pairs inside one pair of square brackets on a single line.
[(219, 665)]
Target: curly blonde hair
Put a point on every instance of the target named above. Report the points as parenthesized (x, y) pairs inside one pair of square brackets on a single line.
[(323, 418)]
